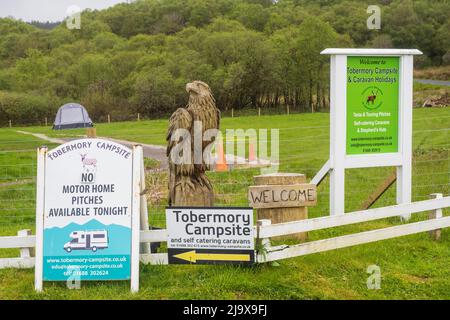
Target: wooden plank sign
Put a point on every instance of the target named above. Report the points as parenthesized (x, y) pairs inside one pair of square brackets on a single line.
[(282, 196)]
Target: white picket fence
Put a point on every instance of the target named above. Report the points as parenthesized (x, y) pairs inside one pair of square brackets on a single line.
[(264, 230)]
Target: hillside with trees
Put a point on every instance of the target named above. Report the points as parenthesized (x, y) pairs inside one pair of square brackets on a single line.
[(254, 53)]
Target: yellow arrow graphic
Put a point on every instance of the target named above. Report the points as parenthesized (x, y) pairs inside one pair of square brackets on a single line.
[(193, 256)]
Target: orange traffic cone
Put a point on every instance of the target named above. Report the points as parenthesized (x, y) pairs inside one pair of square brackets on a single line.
[(221, 164)]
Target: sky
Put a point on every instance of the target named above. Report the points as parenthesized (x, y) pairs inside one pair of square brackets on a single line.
[(48, 10)]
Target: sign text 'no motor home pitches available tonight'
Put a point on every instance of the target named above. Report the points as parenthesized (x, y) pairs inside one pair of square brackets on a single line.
[(210, 235), (87, 212), (282, 196)]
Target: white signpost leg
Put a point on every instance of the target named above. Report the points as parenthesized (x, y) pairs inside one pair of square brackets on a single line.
[(135, 219), (405, 129), (40, 188), (145, 247), (338, 134)]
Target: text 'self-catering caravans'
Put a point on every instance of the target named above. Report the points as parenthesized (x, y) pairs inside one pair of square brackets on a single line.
[(86, 214)]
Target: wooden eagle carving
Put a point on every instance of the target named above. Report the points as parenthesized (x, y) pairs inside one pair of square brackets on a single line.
[(188, 183)]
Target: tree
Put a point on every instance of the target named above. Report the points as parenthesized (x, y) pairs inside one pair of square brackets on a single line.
[(253, 16), (349, 17), (315, 35), (155, 92), (382, 41), (106, 40)]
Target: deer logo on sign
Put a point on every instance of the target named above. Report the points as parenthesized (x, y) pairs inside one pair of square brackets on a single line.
[(372, 98)]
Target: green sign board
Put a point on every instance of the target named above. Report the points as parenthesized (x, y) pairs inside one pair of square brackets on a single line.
[(372, 104)]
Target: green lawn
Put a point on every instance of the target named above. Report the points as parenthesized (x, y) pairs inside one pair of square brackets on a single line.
[(411, 267)]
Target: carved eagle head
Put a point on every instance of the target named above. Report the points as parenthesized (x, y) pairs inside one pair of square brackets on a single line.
[(197, 87)]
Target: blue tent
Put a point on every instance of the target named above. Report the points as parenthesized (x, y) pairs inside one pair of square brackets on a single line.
[(72, 115)]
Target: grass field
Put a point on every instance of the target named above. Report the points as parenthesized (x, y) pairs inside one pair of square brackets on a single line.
[(412, 267)]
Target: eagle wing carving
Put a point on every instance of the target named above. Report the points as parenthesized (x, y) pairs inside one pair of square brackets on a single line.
[(180, 119)]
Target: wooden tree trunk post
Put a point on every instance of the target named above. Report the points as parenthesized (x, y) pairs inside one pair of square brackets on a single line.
[(435, 214), (282, 197), (109, 118)]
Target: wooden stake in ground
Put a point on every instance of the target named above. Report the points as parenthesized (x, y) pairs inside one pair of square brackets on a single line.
[(282, 197)]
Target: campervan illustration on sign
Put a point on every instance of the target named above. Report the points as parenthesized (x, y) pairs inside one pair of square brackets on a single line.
[(87, 240)]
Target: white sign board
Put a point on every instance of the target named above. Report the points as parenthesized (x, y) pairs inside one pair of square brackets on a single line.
[(210, 235), (87, 213)]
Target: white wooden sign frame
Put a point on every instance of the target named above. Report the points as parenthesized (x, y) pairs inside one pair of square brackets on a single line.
[(138, 214), (339, 160)]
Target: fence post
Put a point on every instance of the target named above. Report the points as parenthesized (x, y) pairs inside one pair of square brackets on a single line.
[(259, 112), (232, 112), (10, 124), (435, 214), (287, 108), (109, 118), (139, 116), (40, 185), (46, 123), (263, 243), (25, 252)]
